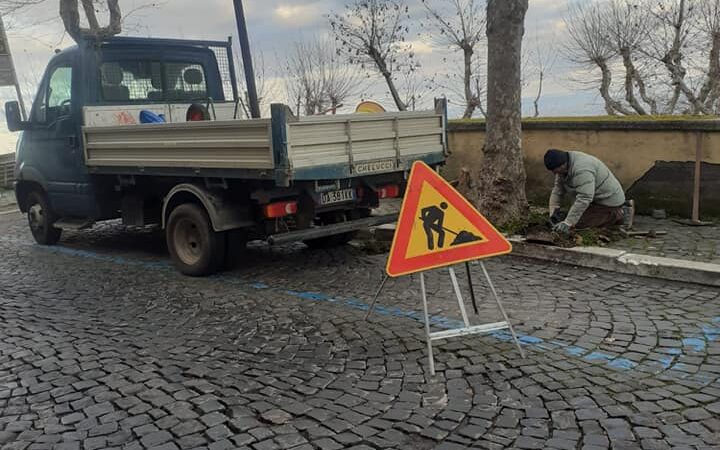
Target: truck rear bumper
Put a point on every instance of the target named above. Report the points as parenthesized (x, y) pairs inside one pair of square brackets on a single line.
[(330, 230)]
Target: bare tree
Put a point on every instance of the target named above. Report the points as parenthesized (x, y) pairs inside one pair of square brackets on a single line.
[(461, 25), (710, 25), (373, 32), (499, 187), (541, 59), (589, 44), (627, 25), (673, 44), (317, 79)]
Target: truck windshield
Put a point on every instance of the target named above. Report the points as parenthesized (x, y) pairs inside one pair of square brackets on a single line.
[(149, 81)]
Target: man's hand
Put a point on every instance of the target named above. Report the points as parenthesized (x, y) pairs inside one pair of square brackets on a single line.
[(562, 227)]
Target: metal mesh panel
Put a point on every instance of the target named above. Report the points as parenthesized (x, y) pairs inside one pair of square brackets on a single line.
[(143, 81), (221, 54)]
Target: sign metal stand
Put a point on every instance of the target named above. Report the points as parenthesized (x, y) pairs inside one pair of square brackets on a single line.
[(467, 329), (438, 227)]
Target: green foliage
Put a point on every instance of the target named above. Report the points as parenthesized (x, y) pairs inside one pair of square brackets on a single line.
[(521, 225)]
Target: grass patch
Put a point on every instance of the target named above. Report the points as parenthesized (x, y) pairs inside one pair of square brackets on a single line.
[(520, 226)]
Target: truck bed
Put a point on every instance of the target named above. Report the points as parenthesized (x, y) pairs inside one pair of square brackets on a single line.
[(283, 147)]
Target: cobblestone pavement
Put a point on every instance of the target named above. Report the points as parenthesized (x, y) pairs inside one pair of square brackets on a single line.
[(681, 242), (104, 345)]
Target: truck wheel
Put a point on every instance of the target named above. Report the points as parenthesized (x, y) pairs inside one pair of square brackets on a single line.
[(196, 249), (41, 219)]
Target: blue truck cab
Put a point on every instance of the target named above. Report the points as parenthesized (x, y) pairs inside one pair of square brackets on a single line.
[(207, 212)]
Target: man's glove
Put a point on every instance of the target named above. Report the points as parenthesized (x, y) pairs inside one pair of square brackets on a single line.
[(562, 227)]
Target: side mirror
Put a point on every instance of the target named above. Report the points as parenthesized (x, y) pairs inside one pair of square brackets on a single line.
[(14, 120)]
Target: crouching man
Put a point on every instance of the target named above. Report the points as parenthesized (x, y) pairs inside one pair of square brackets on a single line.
[(599, 196)]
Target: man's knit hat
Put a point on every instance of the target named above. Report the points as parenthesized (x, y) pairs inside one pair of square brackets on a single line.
[(555, 158)]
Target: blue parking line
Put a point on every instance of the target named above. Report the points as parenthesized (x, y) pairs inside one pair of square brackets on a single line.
[(711, 332)]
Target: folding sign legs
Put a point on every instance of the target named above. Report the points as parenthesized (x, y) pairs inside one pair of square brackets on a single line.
[(375, 299), (502, 309), (467, 329)]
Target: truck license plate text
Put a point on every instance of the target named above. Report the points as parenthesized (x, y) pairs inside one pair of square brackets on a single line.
[(343, 195)]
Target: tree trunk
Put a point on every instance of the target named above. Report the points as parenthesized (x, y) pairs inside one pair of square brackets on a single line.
[(710, 89), (70, 15), (629, 82), (536, 102), (382, 67), (470, 101), (612, 106), (500, 188)]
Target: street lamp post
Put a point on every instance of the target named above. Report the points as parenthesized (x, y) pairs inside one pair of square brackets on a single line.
[(247, 60)]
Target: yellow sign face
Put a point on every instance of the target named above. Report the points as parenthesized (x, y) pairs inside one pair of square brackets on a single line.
[(439, 226)]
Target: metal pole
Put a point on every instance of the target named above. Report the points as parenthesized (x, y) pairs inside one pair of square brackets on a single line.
[(472, 291), (377, 293), (461, 303), (502, 310), (427, 324), (696, 187), (247, 59), (23, 113)]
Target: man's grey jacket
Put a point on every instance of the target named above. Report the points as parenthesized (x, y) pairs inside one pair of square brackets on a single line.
[(590, 181)]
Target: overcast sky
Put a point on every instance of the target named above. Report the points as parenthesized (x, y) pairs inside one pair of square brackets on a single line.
[(273, 27)]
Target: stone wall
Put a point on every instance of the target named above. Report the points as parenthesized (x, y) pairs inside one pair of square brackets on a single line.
[(638, 152)]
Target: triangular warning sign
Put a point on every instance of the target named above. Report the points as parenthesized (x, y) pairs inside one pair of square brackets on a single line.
[(438, 227)]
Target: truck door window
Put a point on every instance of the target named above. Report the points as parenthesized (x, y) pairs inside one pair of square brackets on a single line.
[(151, 81), (56, 97)]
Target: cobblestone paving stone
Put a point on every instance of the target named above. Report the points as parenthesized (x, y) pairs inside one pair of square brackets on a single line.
[(682, 241), (104, 345)]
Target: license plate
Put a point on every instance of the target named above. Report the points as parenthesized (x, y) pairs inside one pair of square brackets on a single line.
[(342, 195)]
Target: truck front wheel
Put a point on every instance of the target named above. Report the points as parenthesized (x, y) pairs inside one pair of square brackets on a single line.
[(195, 248), (41, 219)]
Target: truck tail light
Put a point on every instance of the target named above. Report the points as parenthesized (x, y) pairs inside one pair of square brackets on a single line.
[(389, 191), (279, 209)]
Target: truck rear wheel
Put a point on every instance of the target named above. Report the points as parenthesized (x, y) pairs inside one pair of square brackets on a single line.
[(41, 219), (196, 249)]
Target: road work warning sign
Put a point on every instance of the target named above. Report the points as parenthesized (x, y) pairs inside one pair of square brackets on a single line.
[(438, 227)]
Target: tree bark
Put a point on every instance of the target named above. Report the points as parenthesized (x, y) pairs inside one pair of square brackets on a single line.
[(470, 100), (711, 88), (382, 67), (630, 75), (612, 106), (536, 102), (499, 190), (70, 15)]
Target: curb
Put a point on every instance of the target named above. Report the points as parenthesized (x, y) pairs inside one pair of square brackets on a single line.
[(623, 262), (607, 259)]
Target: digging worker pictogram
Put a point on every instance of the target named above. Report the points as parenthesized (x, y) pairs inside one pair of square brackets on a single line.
[(433, 218)]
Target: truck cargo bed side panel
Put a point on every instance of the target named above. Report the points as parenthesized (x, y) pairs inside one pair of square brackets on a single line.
[(202, 145), (356, 145)]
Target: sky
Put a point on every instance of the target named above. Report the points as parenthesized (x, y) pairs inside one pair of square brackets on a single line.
[(274, 25)]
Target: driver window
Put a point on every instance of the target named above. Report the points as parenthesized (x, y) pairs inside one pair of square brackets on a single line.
[(57, 98)]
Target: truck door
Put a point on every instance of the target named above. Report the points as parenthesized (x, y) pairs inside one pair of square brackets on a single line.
[(54, 140)]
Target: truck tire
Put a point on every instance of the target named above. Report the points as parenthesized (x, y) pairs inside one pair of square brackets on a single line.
[(41, 219), (195, 248)]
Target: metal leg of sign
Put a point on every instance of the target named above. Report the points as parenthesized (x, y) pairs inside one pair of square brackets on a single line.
[(461, 303), (377, 294), (427, 324), (472, 291), (502, 310)]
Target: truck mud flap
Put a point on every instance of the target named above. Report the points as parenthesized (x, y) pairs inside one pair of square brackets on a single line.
[(330, 230)]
